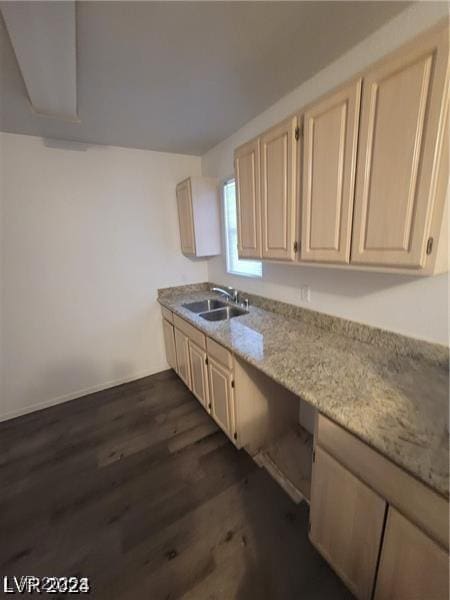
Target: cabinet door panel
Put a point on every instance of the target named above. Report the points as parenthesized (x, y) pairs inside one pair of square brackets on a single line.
[(186, 217), (412, 566), (221, 396), (346, 523), (182, 352), (169, 341), (199, 374), (402, 113), (278, 190), (247, 172), (329, 161)]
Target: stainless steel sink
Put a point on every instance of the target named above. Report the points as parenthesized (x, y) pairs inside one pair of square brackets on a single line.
[(204, 305), (222, 314)]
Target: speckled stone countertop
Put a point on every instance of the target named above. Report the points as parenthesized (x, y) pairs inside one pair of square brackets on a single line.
[(397, 402)]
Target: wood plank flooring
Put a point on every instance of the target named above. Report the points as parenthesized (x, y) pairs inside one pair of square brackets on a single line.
[(137, 489)]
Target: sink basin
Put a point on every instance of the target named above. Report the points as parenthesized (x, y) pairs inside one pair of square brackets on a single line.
[(204, 305), (222, 314)]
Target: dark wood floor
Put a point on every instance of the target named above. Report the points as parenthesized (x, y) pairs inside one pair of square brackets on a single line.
[(137, 489)]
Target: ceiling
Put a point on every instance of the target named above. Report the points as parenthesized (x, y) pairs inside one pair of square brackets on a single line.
[(182, 76)]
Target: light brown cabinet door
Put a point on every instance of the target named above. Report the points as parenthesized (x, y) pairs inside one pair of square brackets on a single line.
[(329, 164), (169, 342), (278, 190), (402, 112), (199, 374), (412, 566), (186, 217), (182, 352), (221, 396), (247, 173), (346, 523)]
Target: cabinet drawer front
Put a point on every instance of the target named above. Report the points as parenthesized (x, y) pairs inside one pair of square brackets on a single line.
[(219, 353), (346, 523), (418, 502), (167, 314), (412, 566), (193, 334)]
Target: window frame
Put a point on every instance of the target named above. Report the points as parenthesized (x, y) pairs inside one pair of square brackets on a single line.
[(228, 258)]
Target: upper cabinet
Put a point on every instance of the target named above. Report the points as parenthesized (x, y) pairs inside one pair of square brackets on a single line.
[(329, 161), (278, 190), (198, 215), (401, 133), (247, 169), (366, 184)]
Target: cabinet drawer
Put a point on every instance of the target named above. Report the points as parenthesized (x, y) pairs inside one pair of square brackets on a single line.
[(219, 353), (415, 500), (167, 314), (193, 334)]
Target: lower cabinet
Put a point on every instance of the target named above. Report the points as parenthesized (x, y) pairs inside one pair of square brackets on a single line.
[(221, 396), (169, 341), (412, 566), (357, 496), (182, 353), (199, 374), (346, 519)]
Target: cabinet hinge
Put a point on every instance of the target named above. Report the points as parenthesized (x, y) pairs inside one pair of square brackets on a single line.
[(209, 405), (430, 245), (296, 244), (206, 360), (232, 383), (297, 133), (235, 435)]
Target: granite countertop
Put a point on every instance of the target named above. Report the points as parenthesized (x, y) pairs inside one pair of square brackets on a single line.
[(397, 403)]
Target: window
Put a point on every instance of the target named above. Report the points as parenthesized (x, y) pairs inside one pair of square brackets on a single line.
[(236, 265)]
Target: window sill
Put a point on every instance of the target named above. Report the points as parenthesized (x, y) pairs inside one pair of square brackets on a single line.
[(251, 275)]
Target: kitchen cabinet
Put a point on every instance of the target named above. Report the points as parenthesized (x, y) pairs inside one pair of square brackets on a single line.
[(279, 190), (404, 100), (346, 519), (199, 374), (247, 173), (198, 216), (185, 217), (169, 342), (221, 394), (365, 186), (412, 565), (182, 354), (415, 540), (329, 161)]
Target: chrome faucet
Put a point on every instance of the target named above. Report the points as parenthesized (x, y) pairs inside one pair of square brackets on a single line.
[(232, 294)]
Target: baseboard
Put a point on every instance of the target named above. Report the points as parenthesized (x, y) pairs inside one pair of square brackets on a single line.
[(73, 395)]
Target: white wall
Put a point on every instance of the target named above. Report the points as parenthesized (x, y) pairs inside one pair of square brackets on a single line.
[(89, 233), (413, 306)]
